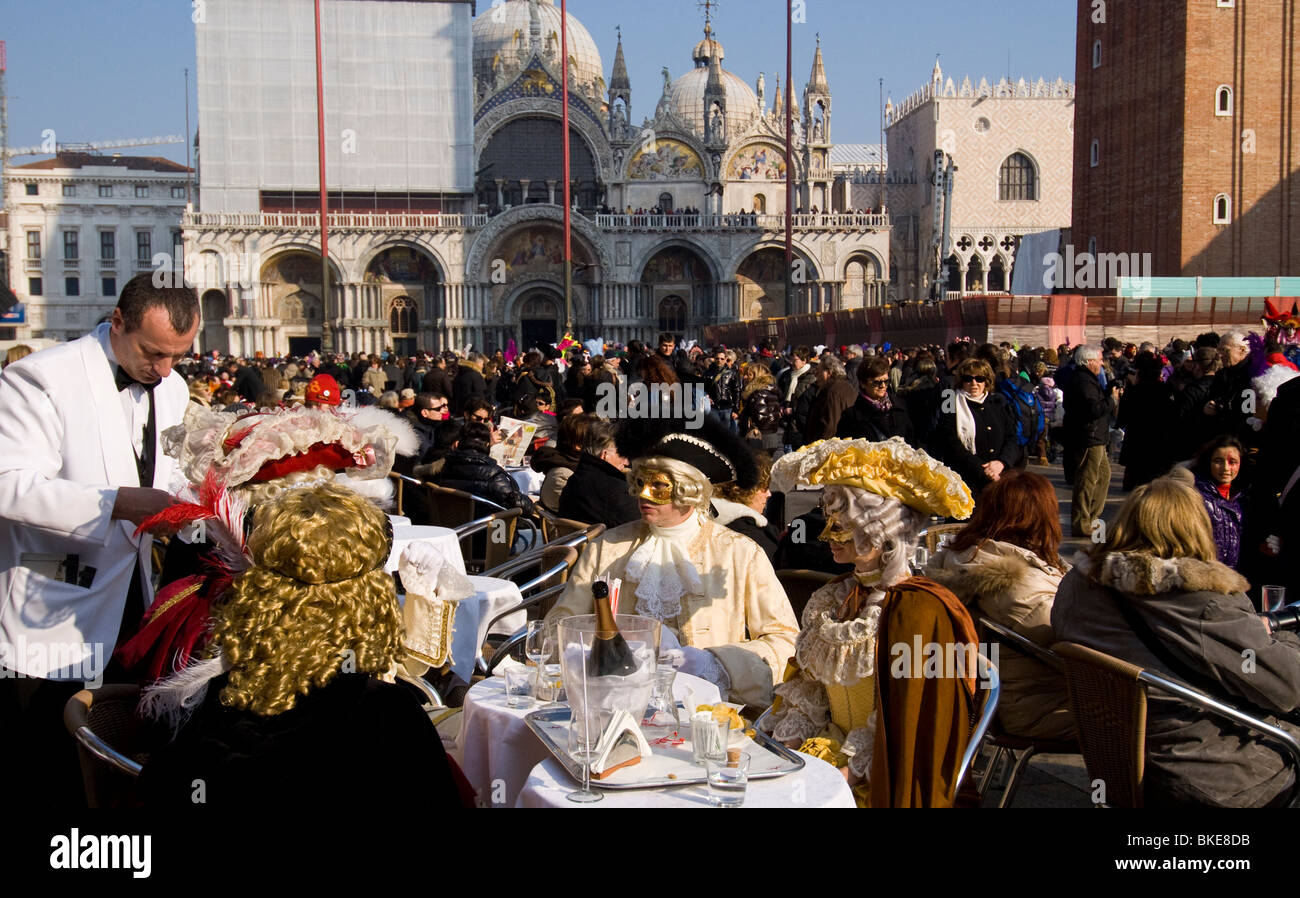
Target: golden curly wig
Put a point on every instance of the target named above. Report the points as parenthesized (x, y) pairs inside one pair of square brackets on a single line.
[(316, 601)]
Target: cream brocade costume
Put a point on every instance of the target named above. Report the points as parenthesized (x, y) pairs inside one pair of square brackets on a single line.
[(713, 587), (828, 701)]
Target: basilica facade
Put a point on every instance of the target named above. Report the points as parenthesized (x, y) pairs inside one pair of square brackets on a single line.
[(678, 222)]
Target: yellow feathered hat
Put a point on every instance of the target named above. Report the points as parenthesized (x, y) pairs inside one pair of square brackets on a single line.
[(891, 468)]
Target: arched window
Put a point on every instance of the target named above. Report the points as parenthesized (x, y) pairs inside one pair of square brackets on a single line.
[(1094, 153), (402, 317), (1096, 53), (1017, 180), (666, 203), (672, 315), (760, 204), (1223, 100), (1222, 209)]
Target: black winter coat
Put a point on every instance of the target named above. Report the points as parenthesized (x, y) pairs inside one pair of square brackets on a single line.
[(597, 494), (474, 472), (995, 440), (863, 420), (1087, 412), (469, 384)]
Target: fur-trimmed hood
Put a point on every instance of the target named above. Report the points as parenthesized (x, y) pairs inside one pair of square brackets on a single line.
[(992, 570), (1136, 573)]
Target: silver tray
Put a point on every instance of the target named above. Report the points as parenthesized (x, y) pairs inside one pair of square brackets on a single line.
[(667, 765)]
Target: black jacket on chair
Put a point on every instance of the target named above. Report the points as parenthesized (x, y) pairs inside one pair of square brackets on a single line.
[(474, 472), (597, 494)]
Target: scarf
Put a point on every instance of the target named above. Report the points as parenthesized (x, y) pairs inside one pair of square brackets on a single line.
[(663, 570), (966, 420)]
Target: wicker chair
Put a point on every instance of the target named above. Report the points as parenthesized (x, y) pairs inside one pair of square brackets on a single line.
[(1109, 703), (108, 738)]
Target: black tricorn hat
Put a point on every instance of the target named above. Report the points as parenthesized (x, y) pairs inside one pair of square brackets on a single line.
[(707, 446)]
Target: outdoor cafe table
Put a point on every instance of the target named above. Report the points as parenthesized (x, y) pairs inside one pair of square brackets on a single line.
[(817, 785), (497, 751)]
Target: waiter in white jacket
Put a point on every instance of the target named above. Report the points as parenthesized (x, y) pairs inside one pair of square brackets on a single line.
[(81, 464)]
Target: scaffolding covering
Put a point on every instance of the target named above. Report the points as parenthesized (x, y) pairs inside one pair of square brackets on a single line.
[(398, 98)]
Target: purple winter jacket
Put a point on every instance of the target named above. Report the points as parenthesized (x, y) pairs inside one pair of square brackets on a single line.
[(1225, 518)]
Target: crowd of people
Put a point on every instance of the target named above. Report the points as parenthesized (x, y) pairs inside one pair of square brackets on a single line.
[(896, 438)]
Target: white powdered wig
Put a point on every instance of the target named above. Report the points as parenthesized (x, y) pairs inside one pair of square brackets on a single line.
[(369, 417), (877, 521), (1267, 383)]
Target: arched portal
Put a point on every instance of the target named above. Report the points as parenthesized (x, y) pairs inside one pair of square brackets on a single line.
[(291, 288), (525, 153), (539, 318), (681, 286), (215, 336), (761, 277)]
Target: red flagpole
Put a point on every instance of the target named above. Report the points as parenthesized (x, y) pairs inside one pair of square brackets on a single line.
[(564, 119), (789, 162)]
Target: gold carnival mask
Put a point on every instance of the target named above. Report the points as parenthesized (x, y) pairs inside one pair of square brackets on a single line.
[(654, 485), (835, 531)]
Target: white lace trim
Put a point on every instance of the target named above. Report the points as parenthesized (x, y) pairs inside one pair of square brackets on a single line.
[(804, 711), (839, 652), (663, 571), (860, 745)]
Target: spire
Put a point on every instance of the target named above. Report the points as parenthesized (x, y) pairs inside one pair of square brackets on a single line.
[(937, 75), (817, 80), (778, 103), (619, 80)]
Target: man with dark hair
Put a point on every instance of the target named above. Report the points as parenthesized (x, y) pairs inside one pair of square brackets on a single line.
[(596, 493), (81, 465)]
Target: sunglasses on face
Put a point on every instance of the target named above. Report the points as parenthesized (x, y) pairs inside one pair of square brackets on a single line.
[(482, 418), (438, 408), (879, 381), (974, 379)]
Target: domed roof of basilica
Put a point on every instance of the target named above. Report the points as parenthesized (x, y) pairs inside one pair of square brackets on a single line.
[(687, 92), (504, 31)]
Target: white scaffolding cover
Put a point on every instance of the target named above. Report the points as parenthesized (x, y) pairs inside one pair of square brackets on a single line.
[(398, 98)]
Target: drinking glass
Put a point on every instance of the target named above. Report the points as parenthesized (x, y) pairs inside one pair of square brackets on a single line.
[(535, 648), (1274, 598), (662, 711), (728, 776), (519, 682), (709, 737)]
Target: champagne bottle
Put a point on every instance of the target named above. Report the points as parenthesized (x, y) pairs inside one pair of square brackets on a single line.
[(611, 656)]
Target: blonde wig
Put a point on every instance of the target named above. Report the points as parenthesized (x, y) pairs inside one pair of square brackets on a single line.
[(316, 602), (690, 487)]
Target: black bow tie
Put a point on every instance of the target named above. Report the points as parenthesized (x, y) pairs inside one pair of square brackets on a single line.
[(124, 380)]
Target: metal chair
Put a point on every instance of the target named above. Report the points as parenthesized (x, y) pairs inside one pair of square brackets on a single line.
[(513, 644), (1109, 699), (496, 544), (986, 673), (103, 723), (1008, 743), (799, 585), (566, 526)]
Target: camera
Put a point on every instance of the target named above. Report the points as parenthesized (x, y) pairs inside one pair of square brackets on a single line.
[(1285, 618)]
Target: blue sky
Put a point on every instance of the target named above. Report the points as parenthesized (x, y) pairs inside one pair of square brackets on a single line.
[(113, 69)]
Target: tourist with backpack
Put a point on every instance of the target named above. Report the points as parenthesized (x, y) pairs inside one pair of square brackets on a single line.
[(1027, 412)]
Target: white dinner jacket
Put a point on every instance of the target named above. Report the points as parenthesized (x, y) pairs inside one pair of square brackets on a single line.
[(65, 448)]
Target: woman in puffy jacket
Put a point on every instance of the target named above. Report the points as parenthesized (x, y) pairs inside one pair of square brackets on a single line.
[(470, 469), (1006, 560), (760, 407)]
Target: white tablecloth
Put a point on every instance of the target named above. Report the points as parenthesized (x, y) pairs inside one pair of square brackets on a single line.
[(497, 751), (818, 785), (398, 520), (491, 596), (528, 480), (442, 538)]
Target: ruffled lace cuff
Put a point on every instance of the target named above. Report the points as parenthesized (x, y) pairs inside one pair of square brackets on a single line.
[(859, 745), (794, 725), (804, 710), (842, 652)]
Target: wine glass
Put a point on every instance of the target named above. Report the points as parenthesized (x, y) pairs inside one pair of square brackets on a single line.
[(535, 649)]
